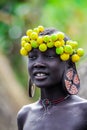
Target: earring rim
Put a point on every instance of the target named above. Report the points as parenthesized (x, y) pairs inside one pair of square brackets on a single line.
[(31, 90)]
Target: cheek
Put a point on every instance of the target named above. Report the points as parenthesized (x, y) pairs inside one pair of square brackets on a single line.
[(58, 75), (59, 72)]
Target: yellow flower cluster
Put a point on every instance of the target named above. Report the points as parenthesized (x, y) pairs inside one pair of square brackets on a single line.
[(64, 49)]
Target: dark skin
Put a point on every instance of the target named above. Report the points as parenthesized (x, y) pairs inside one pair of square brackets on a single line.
[(70, 114)]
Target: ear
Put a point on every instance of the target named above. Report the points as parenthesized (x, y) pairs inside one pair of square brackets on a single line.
[(31, 88), (71, 79)]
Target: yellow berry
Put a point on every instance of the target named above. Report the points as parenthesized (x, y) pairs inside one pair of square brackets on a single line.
[(60, 35), (50, 44), (23, 51), (74, 44), (64, 56), (80, 51), (29, 31), (68, 49), (40, 40), (68, 42), (40, 28), (36, 30), (28, 46), (34, 44), (53, 37), (59, 50), (62, 42), (23, 43), (46, 38), (75, 58), (42, 47), (57, 44), (33, 36), (25, 38)]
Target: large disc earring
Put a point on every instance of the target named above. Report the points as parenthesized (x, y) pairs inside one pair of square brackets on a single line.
[(71, 81), (31, 89)]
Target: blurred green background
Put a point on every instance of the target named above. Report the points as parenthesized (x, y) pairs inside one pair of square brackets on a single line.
[(16, 16)]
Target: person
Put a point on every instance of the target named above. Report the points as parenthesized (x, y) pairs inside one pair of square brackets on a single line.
[(51, 66)]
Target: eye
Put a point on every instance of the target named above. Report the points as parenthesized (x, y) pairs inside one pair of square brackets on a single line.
[(32, 56), (51, 56)]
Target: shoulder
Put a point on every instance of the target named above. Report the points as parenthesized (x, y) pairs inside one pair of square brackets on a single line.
[(23, 114), (78, 102), (82, 111), (23, 111), (74, 99), (77, 99), (77, 107)]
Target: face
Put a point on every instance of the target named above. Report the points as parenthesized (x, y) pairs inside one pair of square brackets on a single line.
[(45, 68)]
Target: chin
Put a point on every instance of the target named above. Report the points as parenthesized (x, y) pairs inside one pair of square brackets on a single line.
[(45, 83), (42, 84)]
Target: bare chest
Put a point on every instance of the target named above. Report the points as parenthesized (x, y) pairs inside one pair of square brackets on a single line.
[(54, 119)]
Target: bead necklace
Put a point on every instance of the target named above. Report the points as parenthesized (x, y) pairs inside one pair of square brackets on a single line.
[(47, 102)]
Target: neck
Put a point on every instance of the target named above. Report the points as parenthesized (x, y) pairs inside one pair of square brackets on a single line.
[(52, 93)]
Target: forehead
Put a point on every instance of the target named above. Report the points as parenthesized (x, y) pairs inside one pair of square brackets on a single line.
[(48, 51)]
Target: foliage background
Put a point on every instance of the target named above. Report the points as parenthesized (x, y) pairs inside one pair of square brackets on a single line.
[(16, 16)]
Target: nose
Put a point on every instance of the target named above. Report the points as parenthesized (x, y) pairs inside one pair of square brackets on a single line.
[(40, 61), (39, 65)]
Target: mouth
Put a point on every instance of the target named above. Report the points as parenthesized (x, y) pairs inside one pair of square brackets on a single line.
[(40, 75)]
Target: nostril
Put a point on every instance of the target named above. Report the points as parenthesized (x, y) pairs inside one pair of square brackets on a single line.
[(39, 65)]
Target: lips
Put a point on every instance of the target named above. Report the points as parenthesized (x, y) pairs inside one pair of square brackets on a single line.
[(40, 75)]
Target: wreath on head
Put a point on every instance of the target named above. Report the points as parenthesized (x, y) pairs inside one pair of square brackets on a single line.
[(65, 49)]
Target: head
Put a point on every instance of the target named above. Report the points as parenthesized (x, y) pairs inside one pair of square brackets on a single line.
[(51, 54)]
